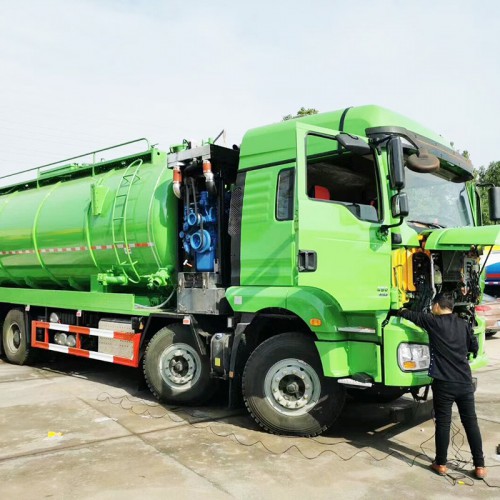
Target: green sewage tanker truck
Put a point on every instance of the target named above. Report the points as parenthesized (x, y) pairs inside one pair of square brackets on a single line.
[(274, 268)]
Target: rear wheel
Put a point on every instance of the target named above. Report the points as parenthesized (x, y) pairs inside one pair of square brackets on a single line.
[(15, 338), (285, 390), (175, 370)]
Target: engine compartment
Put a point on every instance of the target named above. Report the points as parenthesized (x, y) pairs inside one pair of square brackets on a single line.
[(420, 274)]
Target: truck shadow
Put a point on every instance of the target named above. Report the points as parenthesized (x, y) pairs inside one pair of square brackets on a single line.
[(52, 364), (402, 429)]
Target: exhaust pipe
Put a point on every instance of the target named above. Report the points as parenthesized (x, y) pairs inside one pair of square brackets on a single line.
[(177, 181), (209, 177)]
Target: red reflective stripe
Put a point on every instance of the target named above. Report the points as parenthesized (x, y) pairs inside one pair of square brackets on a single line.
[(79, 329), (77, 249), (78, 352), (124, 336), (82, 330)]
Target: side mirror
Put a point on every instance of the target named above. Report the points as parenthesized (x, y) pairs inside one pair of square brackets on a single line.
[(353, 144), (494, 203), (399, 205), (396, 163), (423, 162)]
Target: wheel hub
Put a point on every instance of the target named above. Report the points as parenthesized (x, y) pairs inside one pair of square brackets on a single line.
[(180, 365), (292, 386), (17, 339), (14, 338)]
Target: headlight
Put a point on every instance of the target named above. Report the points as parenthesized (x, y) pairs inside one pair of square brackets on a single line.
[(413, 357)]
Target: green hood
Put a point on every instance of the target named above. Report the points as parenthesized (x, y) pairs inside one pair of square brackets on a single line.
[(461, 238)]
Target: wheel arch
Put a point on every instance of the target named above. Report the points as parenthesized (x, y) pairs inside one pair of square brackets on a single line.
[(270, 322), (153, 325), (311, 303), (306, 303)]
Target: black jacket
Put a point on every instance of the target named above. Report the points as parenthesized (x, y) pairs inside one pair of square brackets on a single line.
[(450, 341)]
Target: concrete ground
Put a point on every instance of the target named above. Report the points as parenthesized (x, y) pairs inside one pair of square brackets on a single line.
[(73, 428)]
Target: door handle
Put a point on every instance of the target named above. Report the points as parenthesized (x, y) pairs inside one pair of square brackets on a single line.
[(308, 261)]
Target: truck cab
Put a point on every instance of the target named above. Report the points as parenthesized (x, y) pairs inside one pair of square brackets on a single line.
[(345, 218)]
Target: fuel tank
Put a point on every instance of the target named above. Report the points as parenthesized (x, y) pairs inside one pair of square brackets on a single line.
[(112, 222)]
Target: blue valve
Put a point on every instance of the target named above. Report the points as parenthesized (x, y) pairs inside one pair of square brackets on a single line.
[(199, 232)]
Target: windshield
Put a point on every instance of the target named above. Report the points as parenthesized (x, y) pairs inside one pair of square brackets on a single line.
[(437, 202)]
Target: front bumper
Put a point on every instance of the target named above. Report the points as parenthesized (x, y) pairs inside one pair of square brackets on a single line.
[(399, 331)]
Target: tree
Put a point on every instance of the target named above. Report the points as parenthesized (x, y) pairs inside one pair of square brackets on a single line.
[(487, 175), (300, 113)]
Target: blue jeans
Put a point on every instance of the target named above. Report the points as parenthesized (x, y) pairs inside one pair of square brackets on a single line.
[(444, 395)]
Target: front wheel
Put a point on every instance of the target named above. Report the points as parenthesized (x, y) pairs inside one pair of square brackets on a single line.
[(175, 370), (285, 390)]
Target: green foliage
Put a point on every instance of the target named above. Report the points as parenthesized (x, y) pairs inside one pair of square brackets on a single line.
[(300, 113), (487, 175)]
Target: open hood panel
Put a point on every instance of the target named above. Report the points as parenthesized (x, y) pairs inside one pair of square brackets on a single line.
[(461, 238)]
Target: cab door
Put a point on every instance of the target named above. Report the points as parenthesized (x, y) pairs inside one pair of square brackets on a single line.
[(339, 213)]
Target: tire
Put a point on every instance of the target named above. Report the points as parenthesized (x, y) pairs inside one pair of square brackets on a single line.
[(175, 370), (284, 388), (490, 334), (16, 345), (377, 394)]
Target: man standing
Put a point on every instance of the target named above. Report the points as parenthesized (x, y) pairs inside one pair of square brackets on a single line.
[(450, 340)]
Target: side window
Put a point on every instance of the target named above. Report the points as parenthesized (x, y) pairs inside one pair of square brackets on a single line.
[(284, 194), (342, 177)]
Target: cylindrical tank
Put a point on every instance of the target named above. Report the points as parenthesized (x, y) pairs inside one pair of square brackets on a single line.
[(74, 223)]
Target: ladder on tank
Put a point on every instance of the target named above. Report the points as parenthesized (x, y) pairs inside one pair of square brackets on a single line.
[(119, 219)]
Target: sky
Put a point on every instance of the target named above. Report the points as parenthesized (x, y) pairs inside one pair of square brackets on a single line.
[(81, 75)]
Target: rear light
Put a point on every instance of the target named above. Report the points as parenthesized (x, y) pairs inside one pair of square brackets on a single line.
[(483, 308)]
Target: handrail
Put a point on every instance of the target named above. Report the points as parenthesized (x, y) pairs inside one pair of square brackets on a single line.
[(93, 153)]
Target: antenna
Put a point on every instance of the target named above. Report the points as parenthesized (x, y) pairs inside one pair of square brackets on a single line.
[(222, 132)]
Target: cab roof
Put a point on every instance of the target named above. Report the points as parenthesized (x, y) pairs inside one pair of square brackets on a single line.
[(276, 143)]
